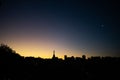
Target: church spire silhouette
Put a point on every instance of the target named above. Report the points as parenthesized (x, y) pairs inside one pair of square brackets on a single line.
[(53, 54), (54, 57)]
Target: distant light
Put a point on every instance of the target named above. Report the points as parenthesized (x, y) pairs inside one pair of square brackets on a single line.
[(102, 25)]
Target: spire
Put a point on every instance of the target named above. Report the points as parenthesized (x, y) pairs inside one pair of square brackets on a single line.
[(54, 57), (53, 53)]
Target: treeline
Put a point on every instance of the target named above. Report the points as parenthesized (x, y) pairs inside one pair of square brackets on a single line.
[(16, 67)]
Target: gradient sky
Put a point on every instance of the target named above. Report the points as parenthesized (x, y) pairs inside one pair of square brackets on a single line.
[(70, 27)]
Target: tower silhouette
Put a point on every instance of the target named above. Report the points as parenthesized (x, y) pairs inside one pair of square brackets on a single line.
[(53, 54)]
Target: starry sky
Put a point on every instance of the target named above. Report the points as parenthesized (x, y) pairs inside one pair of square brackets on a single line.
[(70, 27)]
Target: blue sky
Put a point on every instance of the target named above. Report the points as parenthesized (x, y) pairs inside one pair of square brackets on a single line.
[(72, 27)]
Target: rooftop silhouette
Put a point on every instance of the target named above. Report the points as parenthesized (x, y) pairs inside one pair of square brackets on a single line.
[(16, 67)]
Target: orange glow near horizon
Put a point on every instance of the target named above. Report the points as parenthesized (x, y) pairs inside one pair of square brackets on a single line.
[(43, 48)]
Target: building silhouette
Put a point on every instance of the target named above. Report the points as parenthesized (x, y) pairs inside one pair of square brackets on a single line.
[(53, 54), (54, 57), (16, 67)]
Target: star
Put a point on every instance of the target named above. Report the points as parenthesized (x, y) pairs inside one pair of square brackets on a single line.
[(102, 25)]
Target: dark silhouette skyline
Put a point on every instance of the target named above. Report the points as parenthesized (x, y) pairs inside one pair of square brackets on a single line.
[(16, 67), (84, 36)]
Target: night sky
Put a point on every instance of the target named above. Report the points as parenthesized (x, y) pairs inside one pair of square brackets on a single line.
[(70, 27)]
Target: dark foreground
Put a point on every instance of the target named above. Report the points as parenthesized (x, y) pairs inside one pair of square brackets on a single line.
[(15, 67)]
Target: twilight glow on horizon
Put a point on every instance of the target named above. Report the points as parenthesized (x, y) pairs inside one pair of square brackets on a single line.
[(70, 27)]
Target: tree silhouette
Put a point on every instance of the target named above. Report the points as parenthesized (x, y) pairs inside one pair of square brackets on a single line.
[(8, 55), (15, 67)]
